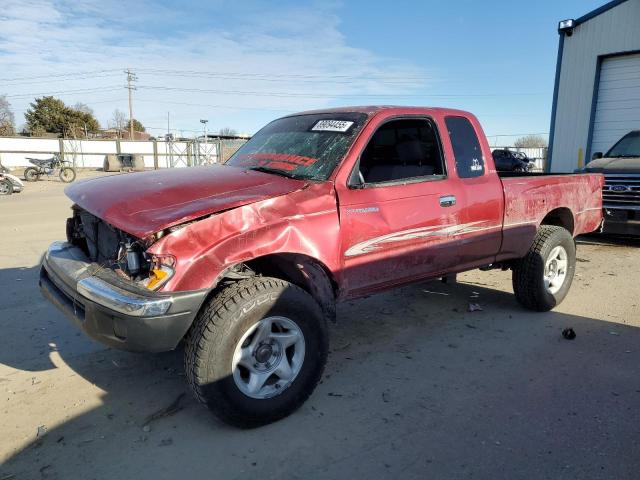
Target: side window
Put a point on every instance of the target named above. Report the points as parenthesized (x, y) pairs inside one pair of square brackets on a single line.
[(402, 149), (466, 147)]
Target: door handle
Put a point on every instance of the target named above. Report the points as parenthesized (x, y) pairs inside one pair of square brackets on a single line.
[(447, 201)]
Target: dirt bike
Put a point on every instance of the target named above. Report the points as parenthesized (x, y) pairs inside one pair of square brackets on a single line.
[(50, 166)]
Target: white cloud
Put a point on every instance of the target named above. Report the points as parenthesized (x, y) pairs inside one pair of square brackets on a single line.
[(47, 37)]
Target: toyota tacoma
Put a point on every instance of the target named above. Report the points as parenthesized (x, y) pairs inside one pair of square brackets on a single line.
[(244, 262)]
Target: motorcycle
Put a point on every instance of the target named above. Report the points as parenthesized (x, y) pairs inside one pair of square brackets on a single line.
[(9, 183), (50, 166)]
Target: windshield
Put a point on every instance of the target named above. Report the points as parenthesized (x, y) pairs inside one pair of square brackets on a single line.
[(302, 146), (628, 146)]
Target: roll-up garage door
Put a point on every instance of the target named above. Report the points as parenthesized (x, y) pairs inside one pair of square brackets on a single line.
[(618, 106)]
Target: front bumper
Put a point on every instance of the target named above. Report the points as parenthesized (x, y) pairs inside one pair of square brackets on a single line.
[(621, 221), (111, 310)]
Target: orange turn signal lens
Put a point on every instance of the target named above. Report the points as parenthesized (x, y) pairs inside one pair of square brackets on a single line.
[(156, 278)]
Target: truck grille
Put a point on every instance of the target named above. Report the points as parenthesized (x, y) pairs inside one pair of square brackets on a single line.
[(621, 191)]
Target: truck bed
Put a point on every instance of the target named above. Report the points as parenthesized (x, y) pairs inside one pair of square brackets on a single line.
[(529, 198)]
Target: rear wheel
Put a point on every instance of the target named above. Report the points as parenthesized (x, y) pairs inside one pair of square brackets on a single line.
[(31, 174), (6, 187), (257, 351), (67, 174), (543, 277)]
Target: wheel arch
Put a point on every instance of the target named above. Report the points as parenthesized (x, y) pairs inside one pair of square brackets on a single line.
[(302, 270), (560, 217)]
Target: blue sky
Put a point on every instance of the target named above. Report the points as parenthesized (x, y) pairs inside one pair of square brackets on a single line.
[(241, 64)]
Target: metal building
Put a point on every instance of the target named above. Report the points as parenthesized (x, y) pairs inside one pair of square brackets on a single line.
[(596, 98)]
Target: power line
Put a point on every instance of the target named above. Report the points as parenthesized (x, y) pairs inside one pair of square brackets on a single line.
[(230, 107), (326, 95), (65, 92), (279, 79), (58, 75), (61, 79), (262, 75)]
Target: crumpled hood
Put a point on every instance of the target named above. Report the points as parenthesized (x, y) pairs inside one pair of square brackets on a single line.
[(147, 202), (611, 165)]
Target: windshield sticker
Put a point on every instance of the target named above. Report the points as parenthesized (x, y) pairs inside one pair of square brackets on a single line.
[(281, 161), (476, 166), (332, 126)]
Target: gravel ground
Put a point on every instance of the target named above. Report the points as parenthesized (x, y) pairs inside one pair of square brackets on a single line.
[(416, 386)]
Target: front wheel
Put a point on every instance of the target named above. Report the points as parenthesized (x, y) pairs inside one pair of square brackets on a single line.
[(67, 174), (542, 278), (6, 187), (31, 174), (256, 351)]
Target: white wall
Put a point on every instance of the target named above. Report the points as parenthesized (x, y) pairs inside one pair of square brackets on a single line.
[(14, 151)]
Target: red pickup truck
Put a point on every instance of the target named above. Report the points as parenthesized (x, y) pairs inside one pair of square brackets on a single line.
[(245, 261)]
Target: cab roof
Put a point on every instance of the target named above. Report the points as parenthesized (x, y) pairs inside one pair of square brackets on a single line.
[(373, 109)]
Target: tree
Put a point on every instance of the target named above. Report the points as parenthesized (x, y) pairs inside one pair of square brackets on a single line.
[(137, 126), (118, 120), (79, 123), (46, 114), (7, 125), (49, 114), (227, 132), (530, 141), (83, 107)]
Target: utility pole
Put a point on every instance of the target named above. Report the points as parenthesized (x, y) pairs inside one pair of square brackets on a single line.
[(131, 78), (204, 123)]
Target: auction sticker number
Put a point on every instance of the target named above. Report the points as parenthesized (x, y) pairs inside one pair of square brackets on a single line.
[(332, 126)]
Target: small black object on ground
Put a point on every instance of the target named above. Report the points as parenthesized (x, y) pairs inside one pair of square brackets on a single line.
[(568, 334)]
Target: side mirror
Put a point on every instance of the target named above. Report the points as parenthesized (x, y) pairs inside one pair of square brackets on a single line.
[(596, 156)]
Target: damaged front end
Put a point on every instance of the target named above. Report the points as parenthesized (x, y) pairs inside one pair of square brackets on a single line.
[(112, 248), (107, 283)]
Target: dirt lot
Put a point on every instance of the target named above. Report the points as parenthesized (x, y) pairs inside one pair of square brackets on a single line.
[(415, 387)]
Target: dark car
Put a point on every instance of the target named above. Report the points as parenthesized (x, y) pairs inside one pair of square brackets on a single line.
[(621, 192), (508, 161)]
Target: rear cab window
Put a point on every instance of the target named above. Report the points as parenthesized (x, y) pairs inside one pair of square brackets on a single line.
[(466, 147)]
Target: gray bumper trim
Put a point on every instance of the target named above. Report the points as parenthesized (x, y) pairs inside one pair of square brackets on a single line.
[(66, 259)]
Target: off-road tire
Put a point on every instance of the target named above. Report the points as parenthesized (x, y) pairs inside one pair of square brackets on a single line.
[(70, 171), (6, 186), (31, 174), (528, 272), (219, 327)]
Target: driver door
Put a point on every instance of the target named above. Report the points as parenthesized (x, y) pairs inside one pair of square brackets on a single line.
[(396, 225)]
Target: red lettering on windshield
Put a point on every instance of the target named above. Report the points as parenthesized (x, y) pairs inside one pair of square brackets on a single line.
[(281, 161)]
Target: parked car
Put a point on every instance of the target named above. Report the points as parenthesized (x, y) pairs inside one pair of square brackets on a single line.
[(245, 262), (9, 184), (508, 161), (621, 192)]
